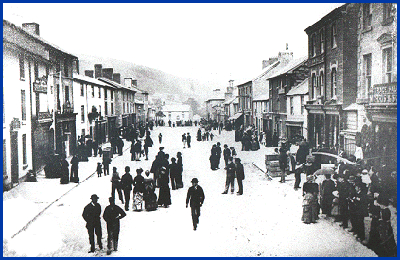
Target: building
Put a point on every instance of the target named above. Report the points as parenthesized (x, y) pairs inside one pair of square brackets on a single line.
[(280, 83), (377, 82), (245, 102), (176, 114), (92, 97), (215, 106), (37, 101), (296, 120), (332, 63)]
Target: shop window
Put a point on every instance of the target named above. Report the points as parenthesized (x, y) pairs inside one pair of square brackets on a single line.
[(302, 104), (83, 114), (321, 83), (106, 108), (387, 65), (23, 105), (24, 153), (291, 106), (322, 40), (333, 83), (387, 13), (314, 86), (82, 90)]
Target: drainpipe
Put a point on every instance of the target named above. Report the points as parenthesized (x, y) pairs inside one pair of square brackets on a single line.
[(31, 111)]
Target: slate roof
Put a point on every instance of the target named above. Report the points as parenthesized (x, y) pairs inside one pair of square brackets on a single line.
[(301, 89), (293, 64)]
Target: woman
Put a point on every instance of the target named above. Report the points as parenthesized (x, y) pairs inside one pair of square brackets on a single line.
[(310, 201), (116, 185), (138, 190), (179, 182), (149, 196), (164, 197), (148, 142)]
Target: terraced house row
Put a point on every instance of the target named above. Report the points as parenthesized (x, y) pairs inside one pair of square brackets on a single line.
[(47, 104)]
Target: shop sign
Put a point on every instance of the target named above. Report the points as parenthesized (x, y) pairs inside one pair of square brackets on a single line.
[(40, 85), (384, 93)]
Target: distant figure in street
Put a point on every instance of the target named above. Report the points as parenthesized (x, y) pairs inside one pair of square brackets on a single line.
[(199, 135), (126, 186), (160, 137), (230, 176), (239, 175), (227, 154), (91, 214), (112, 214), (283, 163), (116, 185), (213, 157), (64, 171), (148, 142), (99, 169), (184, 140), (106, 165), (169, 124), (174, 173), (120, 145), (195, 196), (233, 152), (138, 149), (219, 151), (138, 190), (211, 136), (74, 169), (188, 139), (179, 182)]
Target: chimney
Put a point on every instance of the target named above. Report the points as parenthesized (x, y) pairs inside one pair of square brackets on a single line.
[(32, 28), (128, 82), (134, 82), (231, 83), (266, 63), (117, 77), (108, 73), (285, 55), (89, 73), (97, 70)]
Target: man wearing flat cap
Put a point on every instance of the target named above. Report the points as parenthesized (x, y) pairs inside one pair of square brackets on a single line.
[(91, 214), (196, 197)]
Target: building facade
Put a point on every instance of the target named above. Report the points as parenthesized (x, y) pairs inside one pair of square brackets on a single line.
[(296, 120), (215, 106), (176, 114), (332, 44), (245, 91)]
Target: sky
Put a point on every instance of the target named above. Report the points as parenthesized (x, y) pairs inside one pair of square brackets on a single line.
[(211, 42)]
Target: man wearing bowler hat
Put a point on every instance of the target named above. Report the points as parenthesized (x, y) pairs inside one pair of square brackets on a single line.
[(196, 197), (91, 214)]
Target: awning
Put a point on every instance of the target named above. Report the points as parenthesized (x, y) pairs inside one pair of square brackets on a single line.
[(297, 124), (235, 116)]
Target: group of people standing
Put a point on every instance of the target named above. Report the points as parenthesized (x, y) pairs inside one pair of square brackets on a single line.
[(186, 140), (204, 135)]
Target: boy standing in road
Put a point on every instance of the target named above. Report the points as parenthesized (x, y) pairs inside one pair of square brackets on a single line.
[(112, 214), (196, 197)]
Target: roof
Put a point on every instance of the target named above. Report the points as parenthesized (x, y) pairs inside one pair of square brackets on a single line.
[(36, 37), (229, 101), (217, 96), (91, 80), (301, 89), (292, 65), (353, 107), (268, 69), (117, 85), (262, 97), (176, 108)]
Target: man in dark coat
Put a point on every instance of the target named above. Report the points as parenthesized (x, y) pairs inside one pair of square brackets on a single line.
[(91, 214), (64, 170), (106, 165), (283, 163), (188, 139), (227, 154), (239, 175), (345, 190), (230, 176), (126, 185), (219, 151), (120, 145), (275, 139), (112, 214), (327, 188), (196, 197), (174, 173), (74, 169), (302, 152)]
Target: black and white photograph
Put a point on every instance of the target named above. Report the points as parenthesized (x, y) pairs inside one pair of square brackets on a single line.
[(125, 124)]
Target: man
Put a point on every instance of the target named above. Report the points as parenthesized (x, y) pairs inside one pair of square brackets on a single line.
[(91, 214), (184, 140), (239, 175), (196, 197), (126, 185), (112, 214), (188, 139), (106, 165), (74, 169), (227, 154), (327, 188), (283, 163), (230, 176), (219, 151)]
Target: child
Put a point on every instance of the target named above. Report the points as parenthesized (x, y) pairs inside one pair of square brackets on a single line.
[(99, 169), (100, 151), (233, 152)]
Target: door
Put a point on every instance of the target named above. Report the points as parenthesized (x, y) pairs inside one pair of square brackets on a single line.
[(14, 157), (66, 144)]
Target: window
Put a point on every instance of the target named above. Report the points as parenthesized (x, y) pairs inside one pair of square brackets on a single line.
[(23, 105), (367, 16), (92, 91), (21, 67), (333, 83), (66, 68), (313, 86), (322, 40), (36, 70), (83, 114), (112, 95), (367, 72), (123, 108), (333, 35), (82, 90), (99, 92), (291, 106), (66, 94), (279, 105), (105, 108), (105, 93), (24, 154), (183, 116), (112, 108), (387, 65), (58, 98), (314, 45), (387, 12), (302, 104), (321, 83)]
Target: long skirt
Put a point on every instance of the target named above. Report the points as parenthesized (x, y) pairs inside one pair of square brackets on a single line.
[(150, 201), (164, 197), (310, 209), (137, 201)]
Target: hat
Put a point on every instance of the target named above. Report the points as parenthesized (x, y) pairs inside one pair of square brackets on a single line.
[(310, 178), (195, 180), (365, 171), (140, 170), (94, 196)]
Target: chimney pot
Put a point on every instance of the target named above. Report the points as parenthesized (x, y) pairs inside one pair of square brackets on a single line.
[(32, 28)]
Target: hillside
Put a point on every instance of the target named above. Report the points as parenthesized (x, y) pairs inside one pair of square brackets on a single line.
[(156, 82)]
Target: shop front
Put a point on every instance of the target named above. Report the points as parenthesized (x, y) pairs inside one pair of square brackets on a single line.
[(66, 134)]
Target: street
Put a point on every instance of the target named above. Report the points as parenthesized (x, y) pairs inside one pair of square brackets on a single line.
[(264, 221)]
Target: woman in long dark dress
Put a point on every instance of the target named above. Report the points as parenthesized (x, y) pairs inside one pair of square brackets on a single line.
[(138, 190), (179, 181), (149, 196), (164, 197), (310, 201)]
